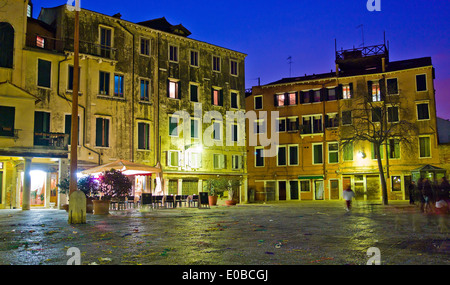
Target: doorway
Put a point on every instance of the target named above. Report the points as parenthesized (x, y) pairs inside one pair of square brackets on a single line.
[(318, 189), (282, 190)]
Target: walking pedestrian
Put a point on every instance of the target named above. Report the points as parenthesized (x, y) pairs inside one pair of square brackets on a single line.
[(412, 192), (348, 195), (444, 190), (427, 192), (420, 195)]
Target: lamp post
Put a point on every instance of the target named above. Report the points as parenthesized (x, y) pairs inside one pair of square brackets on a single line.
[(77, 199)]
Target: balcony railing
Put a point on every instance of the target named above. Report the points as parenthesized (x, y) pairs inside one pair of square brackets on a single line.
[(361, 52), (9, 132), (63, 45), (51, 140)]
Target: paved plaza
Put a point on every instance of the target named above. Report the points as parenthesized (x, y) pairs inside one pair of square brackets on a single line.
[(290, 233)]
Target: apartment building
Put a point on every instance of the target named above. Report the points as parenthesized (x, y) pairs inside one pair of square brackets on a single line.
[(134, 77), (320, 121)]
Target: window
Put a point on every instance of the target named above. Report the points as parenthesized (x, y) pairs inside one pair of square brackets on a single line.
[(173, 126), (376, 115), (393, 114), (316, 96), (104, 83), (392, 86), (259, 127), (7, 119), (7, 45), (195, 160), (143, 136), (44, 73), (236, 162), (317, 153), (259, 157), (102, 132), (348, 151), (217, 130), (346, 118), (219, 161), (293, 189), (281, 158), (258, 103), (424, 147), (41, 127), (70, 79), (173, 89), (374, 155), (293, 155), (305, 97), (194, 92), (217, 97), (194, 58), (145, 90), (332, 96), (332, 120), (279, 100), (234, 68), (234, 133), (347, 91), (292, 124), (118, 85), (374, 91), (173, 53), (40, 42), (145, 46), (234, 100), (292, 99), (423, 112), (394, 148), (173, 157), (421, 82), (305, 186), (333, 152), (216, 63), (396, 183), (281, 126), (312, 124), (105, 42), (195, 127)]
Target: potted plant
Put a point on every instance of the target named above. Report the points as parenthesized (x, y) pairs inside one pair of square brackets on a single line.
[(233, 194), (112, 184), (63, 187), (215, 189), (89, 186)]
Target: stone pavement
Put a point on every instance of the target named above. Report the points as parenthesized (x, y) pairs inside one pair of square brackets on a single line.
[(286, 233)]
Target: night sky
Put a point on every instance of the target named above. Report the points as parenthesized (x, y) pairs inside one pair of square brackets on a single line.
[(271, 31)]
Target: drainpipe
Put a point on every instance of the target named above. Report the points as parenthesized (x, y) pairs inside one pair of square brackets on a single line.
[(84, 109), (132, 93)]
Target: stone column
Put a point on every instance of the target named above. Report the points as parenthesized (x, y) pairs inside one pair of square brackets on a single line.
[(26, 194)]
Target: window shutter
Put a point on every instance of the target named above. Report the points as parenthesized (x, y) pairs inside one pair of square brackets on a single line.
[(98, 131), (302, 94), (351, 89), (168, 88), (212, 96), (286, 99), (179, 90), (324, 94), (382, 89), (369, 89), (221, 97), (311, 96), (106, 122), (296, 98), (339, 92)]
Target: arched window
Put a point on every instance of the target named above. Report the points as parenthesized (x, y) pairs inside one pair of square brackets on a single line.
[(6, 45)]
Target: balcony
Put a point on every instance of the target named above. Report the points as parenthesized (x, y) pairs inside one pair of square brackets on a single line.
[(51, 140), (9, 132), (66, 45)]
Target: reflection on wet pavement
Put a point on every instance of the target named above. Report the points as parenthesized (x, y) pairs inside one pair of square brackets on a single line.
[(279, 233)]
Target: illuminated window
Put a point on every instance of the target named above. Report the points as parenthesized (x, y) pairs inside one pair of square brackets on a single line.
[(173, 90), (346, 92), (40, 42), (292, 98), (279, 100), (374, 91), (396, 183), (217, 97)]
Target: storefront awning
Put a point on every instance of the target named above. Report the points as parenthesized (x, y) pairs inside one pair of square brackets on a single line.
[(126, 167), (310, 177)]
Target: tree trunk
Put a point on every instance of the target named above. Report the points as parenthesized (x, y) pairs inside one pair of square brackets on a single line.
[(384, 193)]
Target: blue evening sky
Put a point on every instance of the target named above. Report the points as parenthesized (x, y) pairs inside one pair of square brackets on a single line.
[(271, 31)]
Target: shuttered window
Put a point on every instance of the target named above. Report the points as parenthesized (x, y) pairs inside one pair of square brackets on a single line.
[(7, 121), (143, 136), (102, 132)]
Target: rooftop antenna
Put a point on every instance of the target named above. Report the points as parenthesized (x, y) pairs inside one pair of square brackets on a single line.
[(290, 65), (362, 33)]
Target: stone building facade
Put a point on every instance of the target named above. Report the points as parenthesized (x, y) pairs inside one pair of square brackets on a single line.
[(133, 77), (310, 161)]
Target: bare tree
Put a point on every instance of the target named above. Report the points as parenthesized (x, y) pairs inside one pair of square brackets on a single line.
[(375, 118)]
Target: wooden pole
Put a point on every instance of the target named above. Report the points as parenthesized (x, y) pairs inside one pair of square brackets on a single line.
[(74, 131)]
